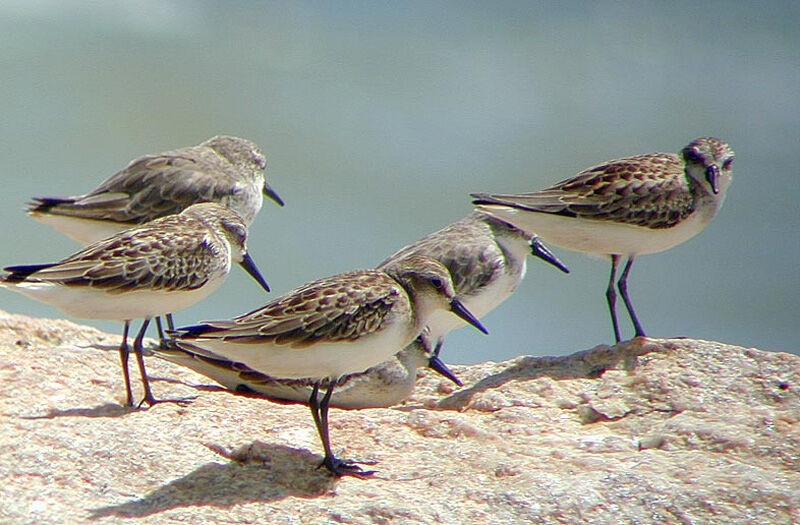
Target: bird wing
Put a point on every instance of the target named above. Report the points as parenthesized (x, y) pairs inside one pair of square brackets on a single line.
[(149, 256), (150, 187), (649, 190), (466, 248), (340, 308)]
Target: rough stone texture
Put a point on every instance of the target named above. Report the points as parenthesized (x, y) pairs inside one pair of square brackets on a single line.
[(650, 431)]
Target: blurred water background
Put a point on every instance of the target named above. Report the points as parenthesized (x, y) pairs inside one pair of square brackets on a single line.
[(378, 119)]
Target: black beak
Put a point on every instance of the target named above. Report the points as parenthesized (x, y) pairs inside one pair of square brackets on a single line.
[(249, 266), (269, 192), (439, 367), (712, 176), (543, 252), (458, 308)]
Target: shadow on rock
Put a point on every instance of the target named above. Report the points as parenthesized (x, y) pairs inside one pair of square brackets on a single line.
[(104, 410), (258, 472), (589, 364)]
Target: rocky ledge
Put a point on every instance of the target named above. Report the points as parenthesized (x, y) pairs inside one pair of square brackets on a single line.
[(648, 431)]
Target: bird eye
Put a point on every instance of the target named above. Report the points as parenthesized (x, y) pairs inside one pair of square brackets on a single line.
[(437, 283), (727, 164), (691, 155), (260, 160)]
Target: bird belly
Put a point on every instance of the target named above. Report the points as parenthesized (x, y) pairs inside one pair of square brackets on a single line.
[(93, 303), (84, 231), (318, 361), (599, 237)]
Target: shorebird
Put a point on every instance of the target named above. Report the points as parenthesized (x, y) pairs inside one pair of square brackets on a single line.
[(153, 269), (487, 259), (223, 169), (383, 385), (625, 208), (333, 327)]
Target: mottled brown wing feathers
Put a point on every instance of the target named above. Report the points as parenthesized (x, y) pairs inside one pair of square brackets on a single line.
[(150, 187), (456, 246), (650, 190), (157, 258), (342, 308)]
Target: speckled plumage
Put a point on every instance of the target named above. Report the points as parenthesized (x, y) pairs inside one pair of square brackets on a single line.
[(383, 385), (223, 169), (330, 328), (152, 269), (625, 207), (479, 251)]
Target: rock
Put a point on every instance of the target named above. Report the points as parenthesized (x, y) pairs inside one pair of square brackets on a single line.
[(648, 431)]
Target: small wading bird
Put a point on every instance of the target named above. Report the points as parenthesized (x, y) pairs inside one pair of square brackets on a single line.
[(223, 169), (159, 267), (333, 327), (625, 207), (486, 258)]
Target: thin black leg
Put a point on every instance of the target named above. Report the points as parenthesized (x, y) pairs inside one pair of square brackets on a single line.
[(164, 341), (137, 348), (623, 289), (124, 351), (139, 351), (611, 296), (313, 403), (319, 410)]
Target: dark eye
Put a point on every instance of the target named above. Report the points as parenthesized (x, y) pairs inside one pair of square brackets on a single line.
[(691, 155), (727, 164), (437, 283)]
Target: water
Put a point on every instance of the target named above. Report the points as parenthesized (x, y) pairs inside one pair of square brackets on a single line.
[(379, 120)]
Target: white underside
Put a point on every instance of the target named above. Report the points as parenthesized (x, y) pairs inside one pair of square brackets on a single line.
[(596, 236), (84, 231), (440, 322), (320, 360), (92, 303), (385, 385)]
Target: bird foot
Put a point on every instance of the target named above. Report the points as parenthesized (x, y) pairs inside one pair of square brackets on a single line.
[(150, 400), (343, 467)]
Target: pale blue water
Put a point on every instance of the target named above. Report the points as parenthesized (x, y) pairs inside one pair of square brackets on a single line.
[(379, 120)]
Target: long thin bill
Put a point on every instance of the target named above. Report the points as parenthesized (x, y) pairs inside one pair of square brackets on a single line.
[(458, 308), (249, 266), (712, 176), (439, 367), (269, 192), (543, 252)]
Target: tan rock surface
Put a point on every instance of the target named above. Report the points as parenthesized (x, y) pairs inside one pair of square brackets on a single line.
[(656, 431)]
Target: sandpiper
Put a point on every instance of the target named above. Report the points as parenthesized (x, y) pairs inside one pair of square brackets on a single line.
[(383, 385), (223, 169), (153, 269), (333, 327), (486, 258), (625, 207)]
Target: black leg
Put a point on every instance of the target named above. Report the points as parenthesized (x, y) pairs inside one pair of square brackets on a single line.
[(623, 288), (139, 351), (164, 341), (319, 410), (611, 296), (137, 348), (313, 403), (123, 356)]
